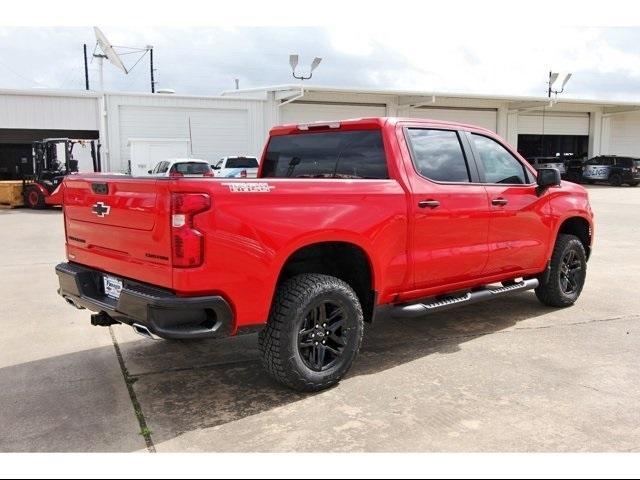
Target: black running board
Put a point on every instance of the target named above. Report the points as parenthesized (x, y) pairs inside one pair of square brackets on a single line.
[(420, 309)]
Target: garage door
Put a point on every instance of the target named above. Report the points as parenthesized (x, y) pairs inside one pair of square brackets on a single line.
[(554, 124), (300, 112), (625, 135), (486, 118), (215, 132)]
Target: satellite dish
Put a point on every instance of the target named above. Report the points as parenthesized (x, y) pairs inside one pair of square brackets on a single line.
[(108, 50)]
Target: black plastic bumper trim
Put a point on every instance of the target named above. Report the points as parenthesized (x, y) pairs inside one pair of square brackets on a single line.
[(161, 311)]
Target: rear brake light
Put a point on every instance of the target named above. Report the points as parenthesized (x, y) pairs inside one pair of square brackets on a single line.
[(207, 174), (175, 174), (187, 243)]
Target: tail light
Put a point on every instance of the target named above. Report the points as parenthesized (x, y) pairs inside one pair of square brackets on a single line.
[(187, 243), (243, 174), (207, 174), (175, 174)]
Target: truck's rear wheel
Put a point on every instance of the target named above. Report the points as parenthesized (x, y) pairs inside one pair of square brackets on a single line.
[(314, 332), (568, 272), (33, 198)]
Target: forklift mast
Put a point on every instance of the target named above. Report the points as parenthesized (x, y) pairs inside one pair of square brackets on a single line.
[(53, 159)]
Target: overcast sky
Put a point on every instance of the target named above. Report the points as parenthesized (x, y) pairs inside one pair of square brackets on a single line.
[(605, 62)]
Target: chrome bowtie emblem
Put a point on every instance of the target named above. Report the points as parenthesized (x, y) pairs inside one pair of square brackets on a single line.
[(100, 209)]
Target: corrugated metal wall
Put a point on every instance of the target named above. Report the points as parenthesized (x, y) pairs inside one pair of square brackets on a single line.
[(624, 138), (219, 126), (487, 118), (49, 112), (300, 112), (564, 123)]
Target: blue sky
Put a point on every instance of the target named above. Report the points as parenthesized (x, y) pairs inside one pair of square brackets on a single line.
[(605, 62)]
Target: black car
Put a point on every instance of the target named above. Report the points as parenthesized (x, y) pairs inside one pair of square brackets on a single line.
[(574, 168), (612, 169)]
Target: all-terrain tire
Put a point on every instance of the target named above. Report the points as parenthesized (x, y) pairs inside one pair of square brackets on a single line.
[(556, 290), (296, 300)]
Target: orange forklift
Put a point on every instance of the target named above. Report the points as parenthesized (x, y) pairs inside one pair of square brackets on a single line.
[(53, 159)]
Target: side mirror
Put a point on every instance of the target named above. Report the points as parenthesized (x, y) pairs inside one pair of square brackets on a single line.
[(149, 172), (547, 177)]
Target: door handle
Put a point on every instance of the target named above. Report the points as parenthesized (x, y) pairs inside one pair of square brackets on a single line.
[(429, 204), (499, 201)]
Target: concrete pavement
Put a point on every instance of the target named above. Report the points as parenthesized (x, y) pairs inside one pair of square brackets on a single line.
[(510, 375)]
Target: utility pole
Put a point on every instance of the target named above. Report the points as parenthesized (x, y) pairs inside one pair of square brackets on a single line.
[(86, 69), (153, 82)]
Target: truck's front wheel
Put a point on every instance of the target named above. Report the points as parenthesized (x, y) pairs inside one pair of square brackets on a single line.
[(314, 332), (568, 270)]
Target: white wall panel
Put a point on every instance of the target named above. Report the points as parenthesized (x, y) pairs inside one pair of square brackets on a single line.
[(554, 124), (624, 135), (55, 112), (486, 118), (219, 126), (313, 112), (215, 132)]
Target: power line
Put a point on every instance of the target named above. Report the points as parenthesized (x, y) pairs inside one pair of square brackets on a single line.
[(31, 80)]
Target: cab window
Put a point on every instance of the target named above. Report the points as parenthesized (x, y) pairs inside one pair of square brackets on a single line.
[(499, 165), (356, 154), (438, 155)]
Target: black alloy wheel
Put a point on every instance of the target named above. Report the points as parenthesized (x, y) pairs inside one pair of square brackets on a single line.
[(322, 337)]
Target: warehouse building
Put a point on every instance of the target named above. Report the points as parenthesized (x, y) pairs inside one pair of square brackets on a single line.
[(237, 122)]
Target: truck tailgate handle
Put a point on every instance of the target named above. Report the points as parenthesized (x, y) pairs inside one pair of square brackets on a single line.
[(429, 204), (100, 188), (499, 201)]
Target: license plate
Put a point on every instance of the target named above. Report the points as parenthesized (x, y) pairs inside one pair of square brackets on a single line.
[(112, 286)]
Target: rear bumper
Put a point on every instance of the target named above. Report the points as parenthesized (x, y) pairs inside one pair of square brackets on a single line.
[(163, 313)]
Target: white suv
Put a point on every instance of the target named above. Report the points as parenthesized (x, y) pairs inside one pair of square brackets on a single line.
[(236, 167), (182, 167)]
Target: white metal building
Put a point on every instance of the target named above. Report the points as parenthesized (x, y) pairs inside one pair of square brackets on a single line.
[(237, 122)]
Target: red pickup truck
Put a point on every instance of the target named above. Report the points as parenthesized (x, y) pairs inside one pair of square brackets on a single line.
[(347, 222)]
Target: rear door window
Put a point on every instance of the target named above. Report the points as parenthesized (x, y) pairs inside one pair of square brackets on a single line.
[(438, 155), (342, 154)]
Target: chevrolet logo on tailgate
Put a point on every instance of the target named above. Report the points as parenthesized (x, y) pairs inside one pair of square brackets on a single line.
[(100, 209)]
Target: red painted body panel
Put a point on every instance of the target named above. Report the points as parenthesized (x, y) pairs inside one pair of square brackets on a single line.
[(255, 225), (55, 198)]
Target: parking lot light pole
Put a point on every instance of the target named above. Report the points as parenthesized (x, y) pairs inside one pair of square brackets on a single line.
[(293, 61), (557, 82)]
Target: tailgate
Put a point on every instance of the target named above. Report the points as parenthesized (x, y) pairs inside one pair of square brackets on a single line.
[(120, 225)]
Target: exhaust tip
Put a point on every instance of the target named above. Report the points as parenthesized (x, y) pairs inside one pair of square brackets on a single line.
[(143, 331)]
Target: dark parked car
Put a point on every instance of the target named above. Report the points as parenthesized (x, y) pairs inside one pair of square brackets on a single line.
[(574, 169), (612, 169)]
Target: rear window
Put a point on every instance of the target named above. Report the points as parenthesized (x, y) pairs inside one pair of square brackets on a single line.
[(353, 154), (242, 162), (191, 168)]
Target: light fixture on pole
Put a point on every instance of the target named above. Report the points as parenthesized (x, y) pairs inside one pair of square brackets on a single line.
[(293, 61), (557, 82)]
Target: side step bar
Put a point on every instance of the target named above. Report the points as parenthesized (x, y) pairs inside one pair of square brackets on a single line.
[(419, 309)]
